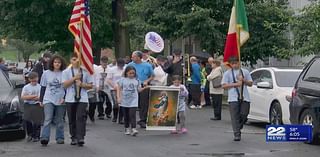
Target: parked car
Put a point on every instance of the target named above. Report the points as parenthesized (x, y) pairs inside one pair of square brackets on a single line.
[(19, 68), (305, 99), (268, 94), (10, 108)]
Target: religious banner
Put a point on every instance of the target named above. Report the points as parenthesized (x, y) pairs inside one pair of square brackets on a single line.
[(163, 105)]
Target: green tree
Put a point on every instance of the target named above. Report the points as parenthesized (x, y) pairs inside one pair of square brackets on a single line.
[(306, 30), (269, 30), (43, 21), (25, 49), (206, 20), (120, 31)]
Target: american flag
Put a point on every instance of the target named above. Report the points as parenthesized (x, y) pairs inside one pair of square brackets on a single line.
[(80, 27), (155, 40)]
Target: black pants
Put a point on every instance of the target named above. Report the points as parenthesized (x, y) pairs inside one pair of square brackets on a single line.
[(207, 94), (77, 116), (32, 129), (129, 117), (143, 105), (239, 113), (92, 109), (194, 94), (108, 109), (217, 103), (116, 108)]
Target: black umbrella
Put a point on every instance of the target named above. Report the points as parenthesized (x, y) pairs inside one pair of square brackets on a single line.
[(201, 55)]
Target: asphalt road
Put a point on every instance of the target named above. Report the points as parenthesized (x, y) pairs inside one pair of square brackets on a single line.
[(205, 138)]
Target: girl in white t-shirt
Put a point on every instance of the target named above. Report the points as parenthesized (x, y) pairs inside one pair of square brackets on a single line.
[(127, 96)]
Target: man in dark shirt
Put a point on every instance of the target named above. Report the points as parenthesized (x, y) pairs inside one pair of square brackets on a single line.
[(175, 66), (41, 66)]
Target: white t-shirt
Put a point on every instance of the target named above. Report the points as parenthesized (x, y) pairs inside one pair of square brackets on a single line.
[(30, 89), (98, 69), (115, 74)]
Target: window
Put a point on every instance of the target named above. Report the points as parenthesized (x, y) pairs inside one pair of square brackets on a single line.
[(286, 78), (4, 84), (313, 73), (261, 76), (266, 76), (255, 76)]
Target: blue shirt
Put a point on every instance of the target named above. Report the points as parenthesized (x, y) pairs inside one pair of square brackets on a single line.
[(129, 92), (196, 73), (70, 91), (232, 92), (144, 70), (54, 88), (30, 89)]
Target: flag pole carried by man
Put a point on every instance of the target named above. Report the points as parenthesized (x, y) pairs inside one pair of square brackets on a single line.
[(80, 27), (77, 79), (236, 80)]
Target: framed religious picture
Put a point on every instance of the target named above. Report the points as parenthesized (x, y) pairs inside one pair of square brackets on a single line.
[(163, 105)]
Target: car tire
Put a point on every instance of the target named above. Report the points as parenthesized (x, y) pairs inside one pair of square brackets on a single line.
[(275, 114), (308, 117)]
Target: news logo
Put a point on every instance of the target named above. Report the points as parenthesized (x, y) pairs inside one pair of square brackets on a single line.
[(288, 133)]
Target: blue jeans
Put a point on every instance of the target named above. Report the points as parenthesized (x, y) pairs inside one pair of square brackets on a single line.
[(53, 115)]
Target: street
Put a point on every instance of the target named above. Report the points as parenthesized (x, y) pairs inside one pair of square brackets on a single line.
[(205, 138)]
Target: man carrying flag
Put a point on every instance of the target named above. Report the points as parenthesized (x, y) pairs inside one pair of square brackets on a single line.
[(236, 79), (77, 79)]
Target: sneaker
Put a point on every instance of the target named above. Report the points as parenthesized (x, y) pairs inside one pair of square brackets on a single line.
[(199, 107), (29, 138), (174, 132), (92, 119), (81, 142), (44, 142), (237, 138), (193, 107), (73, 142), (101, 117), (184, 130), (134, 132), (108, 116), (114, 120), (35, 140), (127, 131), (60, 141), (142, 124), (121, 122), (215, 118)]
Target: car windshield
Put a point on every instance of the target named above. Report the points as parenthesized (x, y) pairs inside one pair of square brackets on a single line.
[(286, 78), (3, 82)]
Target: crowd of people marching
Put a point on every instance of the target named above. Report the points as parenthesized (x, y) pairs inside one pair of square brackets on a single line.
[(116, 91)]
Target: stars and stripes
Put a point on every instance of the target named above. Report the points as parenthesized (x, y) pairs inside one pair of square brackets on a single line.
[(155, 40), (80, 27)]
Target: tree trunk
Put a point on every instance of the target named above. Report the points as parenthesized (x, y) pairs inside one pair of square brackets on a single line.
[(121, 35)]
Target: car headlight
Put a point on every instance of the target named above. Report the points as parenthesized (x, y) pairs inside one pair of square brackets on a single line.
[(15, 104)]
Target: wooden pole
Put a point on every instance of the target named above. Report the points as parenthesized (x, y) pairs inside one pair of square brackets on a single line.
[(78, 94)]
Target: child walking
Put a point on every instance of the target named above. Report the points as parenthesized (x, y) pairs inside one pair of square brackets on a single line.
[(181, 128), (33, 112), (127, 96)]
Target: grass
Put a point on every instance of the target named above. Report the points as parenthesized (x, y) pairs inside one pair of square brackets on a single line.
[(11, 54)]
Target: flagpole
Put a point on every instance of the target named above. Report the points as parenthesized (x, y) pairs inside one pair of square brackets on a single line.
[(80, 56), (240, 71)]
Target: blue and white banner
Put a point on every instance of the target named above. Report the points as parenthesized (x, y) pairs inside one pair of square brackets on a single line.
[(288, 133)]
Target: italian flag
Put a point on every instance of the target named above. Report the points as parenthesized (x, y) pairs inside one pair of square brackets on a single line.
[(238, 32)]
